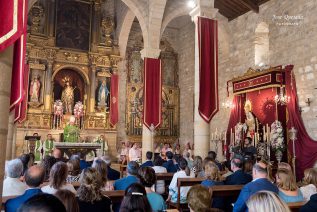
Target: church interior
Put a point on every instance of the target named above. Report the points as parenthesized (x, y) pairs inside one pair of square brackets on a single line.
[(89, 83)]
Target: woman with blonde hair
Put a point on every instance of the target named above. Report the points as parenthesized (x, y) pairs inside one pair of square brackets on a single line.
[(283, 165), (89, 193), (57, 180), (199, 199), (213, 178), (102, 168), (197, 168), (264, 201), (288, 190), (310, 183)]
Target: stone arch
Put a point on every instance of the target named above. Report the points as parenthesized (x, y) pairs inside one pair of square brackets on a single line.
[(125, 31), (76, 69), (261, 44), (137, 12), (175, 14)]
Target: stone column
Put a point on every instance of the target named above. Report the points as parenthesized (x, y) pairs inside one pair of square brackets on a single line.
[(92, 88), (10, 135), (6, 59), (201, 128), (147, 143), (48, 86)]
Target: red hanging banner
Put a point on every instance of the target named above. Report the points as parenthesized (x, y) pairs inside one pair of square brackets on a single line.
[(208, 68), (18, 71), (21, 108), (19, 53), (152, 92), (13, 18), (114, 114)]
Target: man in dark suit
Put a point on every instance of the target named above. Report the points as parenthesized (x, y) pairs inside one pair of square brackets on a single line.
[(34, 177), (148, 161), (239, 177), (260, 182), (112, 173), (169, 164), (123, 183)]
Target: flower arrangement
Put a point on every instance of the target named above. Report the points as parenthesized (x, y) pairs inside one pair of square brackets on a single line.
[(277, 138), (79, 109)]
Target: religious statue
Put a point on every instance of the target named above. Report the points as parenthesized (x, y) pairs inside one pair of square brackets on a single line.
[(71, 131), (103, 93), (43, 148), (249, 126), (34, 91), (68, 96)]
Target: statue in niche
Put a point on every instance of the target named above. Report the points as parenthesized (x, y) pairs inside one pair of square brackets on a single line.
[(68, 96), (249, 125), (34, 91), (103, 93)]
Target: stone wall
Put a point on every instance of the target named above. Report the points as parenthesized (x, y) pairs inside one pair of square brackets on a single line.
[(290, 42)]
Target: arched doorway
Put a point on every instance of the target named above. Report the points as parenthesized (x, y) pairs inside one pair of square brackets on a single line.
[(67, 77)]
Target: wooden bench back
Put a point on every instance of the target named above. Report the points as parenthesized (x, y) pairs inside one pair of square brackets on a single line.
[(164, 176), (295, 206), (217, 191), (226, 190)]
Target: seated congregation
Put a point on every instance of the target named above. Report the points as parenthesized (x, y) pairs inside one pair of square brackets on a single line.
[(185, 183)]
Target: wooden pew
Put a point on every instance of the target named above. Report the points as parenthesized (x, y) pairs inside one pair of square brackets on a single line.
[(217, 191), (295, 206), (182, 182), (123, 168), (115, 196), (226, 190), (164, 176)]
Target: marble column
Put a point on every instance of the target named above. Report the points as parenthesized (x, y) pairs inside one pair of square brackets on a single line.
[(6, 59), (201, 127), (147, 142), (10, 135), (48, 86), (92, 88)]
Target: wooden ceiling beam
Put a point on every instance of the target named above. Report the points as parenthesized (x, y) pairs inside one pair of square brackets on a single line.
[(251, 5)]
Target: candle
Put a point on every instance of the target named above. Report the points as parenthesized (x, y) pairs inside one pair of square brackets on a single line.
[(264, 135)]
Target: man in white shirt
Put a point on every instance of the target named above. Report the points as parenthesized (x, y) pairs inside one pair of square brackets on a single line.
[(135, 153), (12, 186), (158, 168), (173, 189)]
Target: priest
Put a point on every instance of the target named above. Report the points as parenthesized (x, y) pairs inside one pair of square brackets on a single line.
[(71, 131)]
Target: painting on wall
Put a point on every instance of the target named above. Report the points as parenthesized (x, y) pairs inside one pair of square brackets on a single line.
[(73, 20)]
